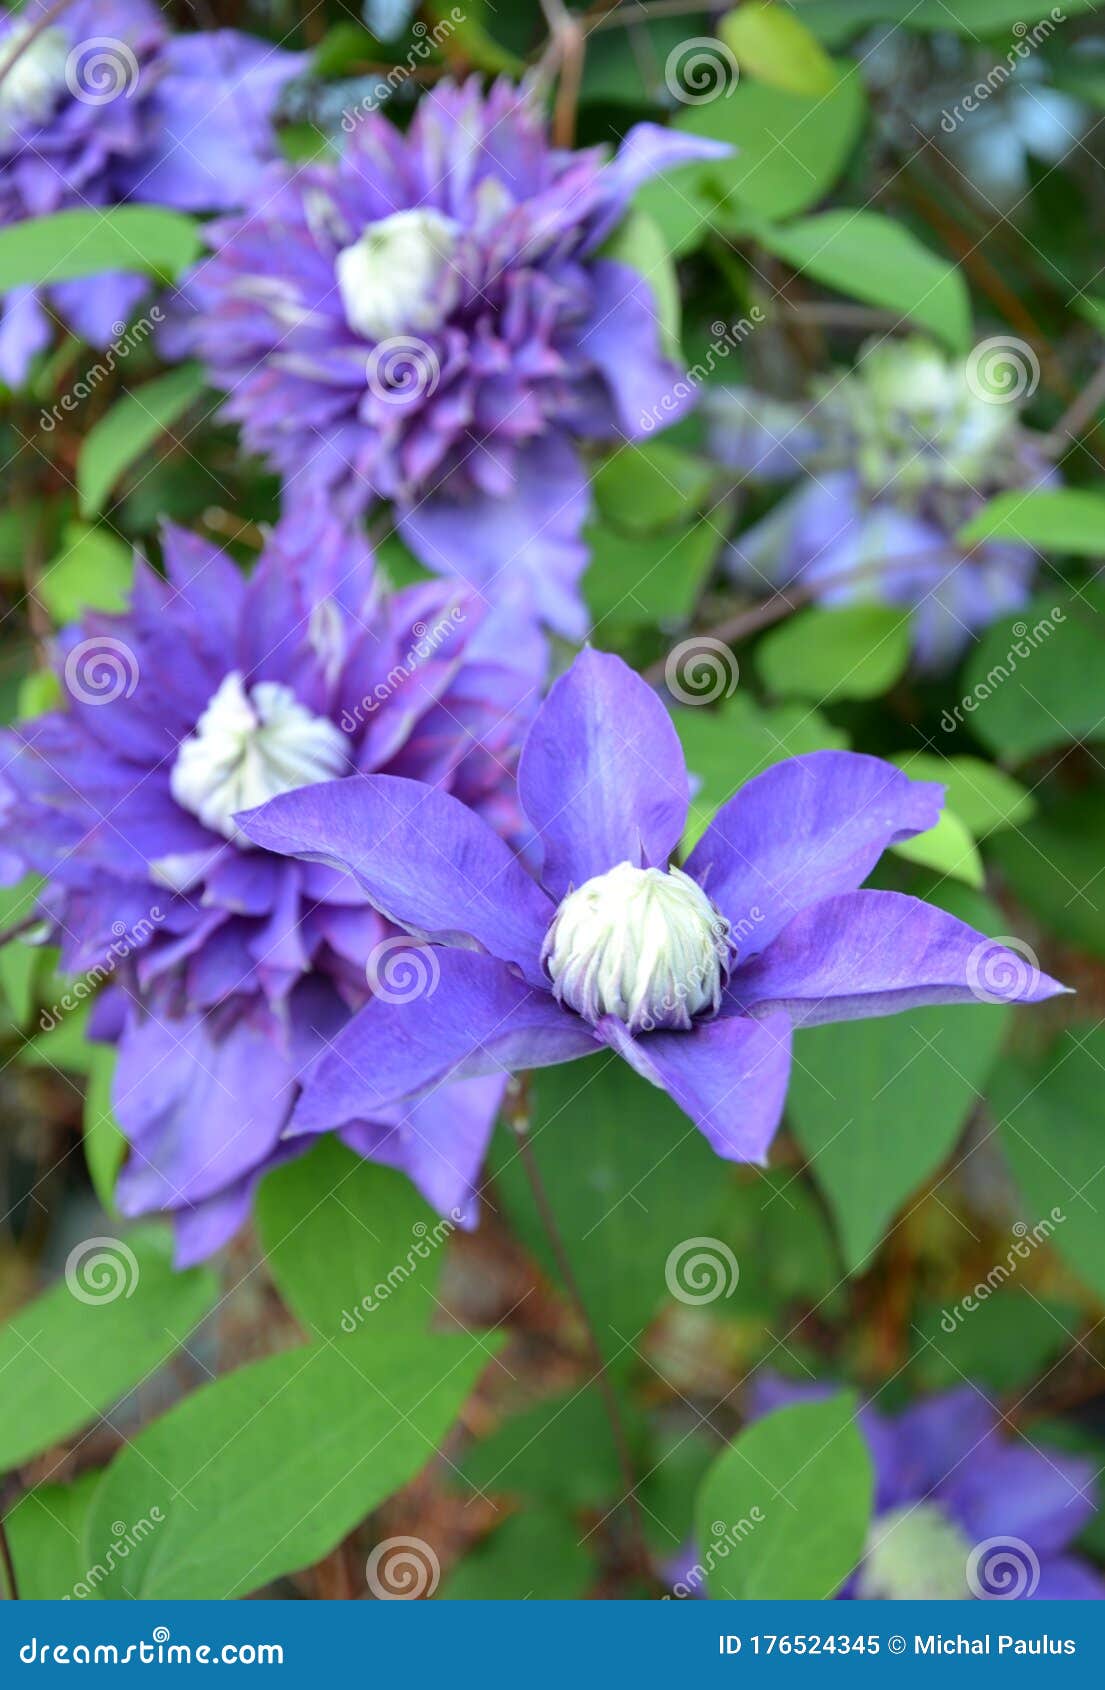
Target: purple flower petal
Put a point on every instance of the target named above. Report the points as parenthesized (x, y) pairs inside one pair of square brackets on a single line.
[(426, 861), (729, 1075), (478, 1018), (439, 1141), (602, 776), (878, 953), (803, 830)]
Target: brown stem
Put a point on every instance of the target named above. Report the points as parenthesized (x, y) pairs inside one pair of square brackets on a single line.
[(37, 28), (10, 1580), (567, 46), (519, 1122)]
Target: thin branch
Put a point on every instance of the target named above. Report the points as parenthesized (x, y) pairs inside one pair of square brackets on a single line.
[(1081, 411), (40, 25), (11, 1583), (566, 47)]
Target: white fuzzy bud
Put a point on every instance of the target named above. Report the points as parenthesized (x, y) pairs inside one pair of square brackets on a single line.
[(398, 275), (915, 1552)]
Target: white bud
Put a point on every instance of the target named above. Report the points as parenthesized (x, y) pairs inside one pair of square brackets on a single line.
[(249, 747), (643, 944), (915, 1552), (30, 89), (398, 276)]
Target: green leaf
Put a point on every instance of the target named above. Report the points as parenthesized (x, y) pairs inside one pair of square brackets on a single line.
[(878, 1105), (836, 21), (948, 848), (870, 257), (1032, 681), (984, 798), (1052, 1115), (729, 745), (19, 962), (789, 149), (264, 1471), (629, 1179), (71, 1354), (133, 424), (635, 578), (538, 1554), (1004, 1339), (1067, 519), (856, 651), (639, 243), (776, 47), (783, 1513), (70, 244), (46, 1530), (1054, 865), (92, 571), (560, 1451), (641, 488), (105, 1148), (352, 1246), (39, 692)]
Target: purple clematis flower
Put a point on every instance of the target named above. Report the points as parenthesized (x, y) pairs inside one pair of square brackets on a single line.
[(227, 968), (894, 457), (104, 105), (963, 1509), (695, 976), (431, 320)]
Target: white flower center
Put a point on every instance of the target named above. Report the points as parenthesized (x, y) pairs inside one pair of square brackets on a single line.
[(249, 747), (915, 1552), (643, 944), (398, 276), (29, 90)]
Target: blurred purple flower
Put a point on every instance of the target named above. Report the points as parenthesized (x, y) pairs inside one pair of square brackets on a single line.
[(104, 105), (230, 968), (430, 320), (695, 977), (891, 459), (963, 1508)]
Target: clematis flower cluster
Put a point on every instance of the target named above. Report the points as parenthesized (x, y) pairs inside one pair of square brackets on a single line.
[(226, 969), (964, 1509), (101, 104), (894, 457), (610, 945), (432, 321)]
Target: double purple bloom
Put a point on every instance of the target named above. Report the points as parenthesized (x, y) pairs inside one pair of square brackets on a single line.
[(105, 106), (696, 978), (431, 321), (227, 969)]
